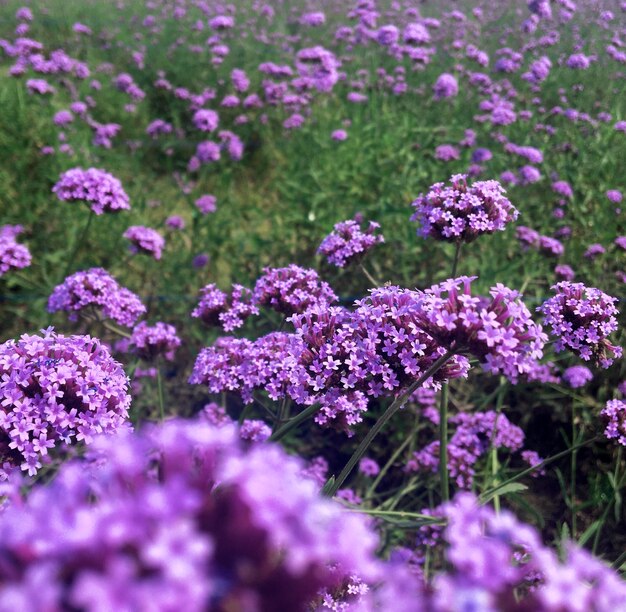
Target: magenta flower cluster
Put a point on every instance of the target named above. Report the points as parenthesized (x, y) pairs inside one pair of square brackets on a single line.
[(348, 242), (96, 289), (56, 390), (614, 413), (460, 212), (229, 311), (101, 190), (152, 341), (13, 255), (581, 318), (145, 240)]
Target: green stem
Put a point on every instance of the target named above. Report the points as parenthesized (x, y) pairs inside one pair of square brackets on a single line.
[(443, 444), (77, 245), (333, 487), (455, 262), (573, 470), (281, 432), (491, 492), (160, 394), (370, 278)]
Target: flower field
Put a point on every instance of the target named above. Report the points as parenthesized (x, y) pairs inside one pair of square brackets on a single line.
[(312, 305)]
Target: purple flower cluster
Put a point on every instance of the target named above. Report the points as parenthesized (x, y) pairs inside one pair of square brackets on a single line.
[(498, 330), (96, 288), (56, 390), (546, 245), (446, 86), (152, 341), (13, 256), (581, 318), (348, 242), (229, 311), (475, 434), (292, 290), (615, 414), (577, 376), (101, 190), (460, 212), (145, 240), (183, 515)]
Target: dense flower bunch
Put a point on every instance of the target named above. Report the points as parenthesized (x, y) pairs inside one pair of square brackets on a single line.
[(348, 242), (13, 256), (581, 318), (577, 376), (377, 350), (498, 330), (101, 190), (615, 414), (546, 245), (446, 86), (145, 240), (98, 289), (182, 515), (229, 311), (270, 363), (292, 290), (460, 212), (318, 67), (152, 341), (474, 435), (56, 390)]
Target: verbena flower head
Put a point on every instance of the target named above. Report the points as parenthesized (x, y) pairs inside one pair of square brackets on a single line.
[(497, 330), (98, 289), (577, 376), (56, 390), (615, 415), (229, 311), (460, 212), (152, 341), (348, 242), (183, 515), (292, 290), (582, 318), (446, 86), (145, 240), (101, 190), (13, 256)]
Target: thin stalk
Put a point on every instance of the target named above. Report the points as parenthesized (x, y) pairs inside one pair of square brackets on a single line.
[(455, 262), (281, 432), (160, 393), (489, 493), (370, 278), (77, 244), (391, 410), (443, 444)]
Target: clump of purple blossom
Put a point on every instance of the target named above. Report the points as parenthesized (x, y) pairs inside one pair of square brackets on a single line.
[(13, 256), (581, 318), (614, 414), (145, 240), (56, 390), (152, 341), (460, 212), (96, 288), (101, 190), (577, 376), (348, 242), (229, 311)]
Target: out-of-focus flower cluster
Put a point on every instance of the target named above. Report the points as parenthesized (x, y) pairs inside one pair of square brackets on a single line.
[(348, 242), (13, 256), (152, 341)]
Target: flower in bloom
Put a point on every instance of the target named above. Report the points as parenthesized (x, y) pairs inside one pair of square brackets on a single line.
[(318, 66), (497, 330), (206, 120), (292, 290), (339, 135), (101, 190), (229, 311), (13, 256), (564, 272), (348, 242), (152, 341), (145, 240), (582, 318), (593, 250), (56, 390), (460, 212), (614, 195), (182, 515), (96, 288), (446, 86), (615, 415), (446, 152), (369, 467), (206, 204), (175, 222), (577, 376), (254, 430)]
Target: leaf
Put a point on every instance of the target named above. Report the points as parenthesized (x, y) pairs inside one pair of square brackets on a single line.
[(584, 538), (512, 487)]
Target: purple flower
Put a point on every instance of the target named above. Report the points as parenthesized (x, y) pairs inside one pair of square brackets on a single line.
[(63, 117), (101, 190), (13, 256), (581, 318), (339, 135), (98, 289), (614, 196), (347, 242), (254, 430), (56, 390), (152, 341), (564, 272), (461, 212), (447, 152), (229, 311), (145, 240), (206, 120), (175, 222), (206, 204), (593, 250), (292, 290), (577, 376), (614, 413), (446, 86), (318, 66), (369, 467)]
